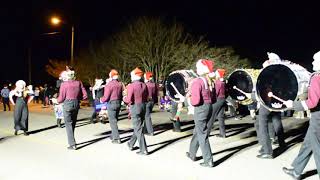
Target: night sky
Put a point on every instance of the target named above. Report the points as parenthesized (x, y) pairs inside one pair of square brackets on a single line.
[(290, 29)]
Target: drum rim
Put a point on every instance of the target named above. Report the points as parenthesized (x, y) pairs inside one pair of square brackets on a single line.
[(253, 82), (259, 98), (166, 83)]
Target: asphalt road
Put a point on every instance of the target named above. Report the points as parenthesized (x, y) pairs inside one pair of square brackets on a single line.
[(44, 155)]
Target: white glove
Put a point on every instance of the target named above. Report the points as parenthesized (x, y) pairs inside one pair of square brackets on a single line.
[(248, 95), (54, 101), (288, 103)]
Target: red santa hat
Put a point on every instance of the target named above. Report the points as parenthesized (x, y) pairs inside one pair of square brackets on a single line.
[(113, 74), (221, 73), (204, 66), (148, 76), (136, 74)]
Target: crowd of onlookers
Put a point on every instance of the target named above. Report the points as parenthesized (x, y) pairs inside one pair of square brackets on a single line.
[(42, 95)]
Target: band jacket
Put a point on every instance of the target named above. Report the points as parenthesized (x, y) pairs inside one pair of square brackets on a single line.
[(152, 91), (312, 102), (112, 91), (200, 92), (220, 89), (72, 90), (137, 93)]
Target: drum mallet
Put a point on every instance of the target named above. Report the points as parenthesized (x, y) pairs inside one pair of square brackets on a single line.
[(175, 88), (235, 87), (270, 94)]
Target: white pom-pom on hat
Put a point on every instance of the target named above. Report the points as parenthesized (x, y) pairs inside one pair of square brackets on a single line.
[(136, 74), (316, 56), (204, 66)]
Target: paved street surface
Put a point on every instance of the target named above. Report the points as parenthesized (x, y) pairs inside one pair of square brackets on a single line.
[(44, 155)]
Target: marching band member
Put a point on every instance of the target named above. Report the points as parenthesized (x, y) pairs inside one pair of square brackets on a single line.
[(221, 99), (311, 143), (113, 95), (70, 93), (23, 97), (137, 94), (201, 99), (265, 116), (152, 99)]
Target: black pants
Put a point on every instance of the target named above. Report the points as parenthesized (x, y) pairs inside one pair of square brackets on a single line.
[(202, 117), (6, 103), (264, 116), (70, 113), (148, 123), (113, 114), (137, 118), (220, 106), (21, 114), (310, 145)]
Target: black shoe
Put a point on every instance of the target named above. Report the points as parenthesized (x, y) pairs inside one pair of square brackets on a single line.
[(73, 147), (116, 141), (275, 142), (207, 164), (92, 121), (190, 156), (59, 123), (130, 148), (291, 173), (144, 153), (25, 133), (221, 136), (265, 156), (16, 132)]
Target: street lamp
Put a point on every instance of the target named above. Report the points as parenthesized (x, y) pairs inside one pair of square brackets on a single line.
[(55, 20)]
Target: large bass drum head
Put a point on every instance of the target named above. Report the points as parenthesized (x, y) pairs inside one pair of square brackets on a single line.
[(242, 80), (281, 81), (179, 82)]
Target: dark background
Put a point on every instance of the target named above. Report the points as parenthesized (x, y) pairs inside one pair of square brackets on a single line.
[(288, 28)]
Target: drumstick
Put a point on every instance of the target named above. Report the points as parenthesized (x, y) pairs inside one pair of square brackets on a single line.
[(270, 94), (175, 88), (235, 87)]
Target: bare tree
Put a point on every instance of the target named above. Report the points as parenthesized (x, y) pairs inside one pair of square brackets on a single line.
[(154, 45)]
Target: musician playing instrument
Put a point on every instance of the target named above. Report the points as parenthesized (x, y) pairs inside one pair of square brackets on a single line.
[(201, 99), (137, 97), (153, 93), (113, 95), (311, 143), (221, 99)]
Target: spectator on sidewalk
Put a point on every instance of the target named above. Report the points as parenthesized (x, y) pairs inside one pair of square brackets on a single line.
[(5, 97)]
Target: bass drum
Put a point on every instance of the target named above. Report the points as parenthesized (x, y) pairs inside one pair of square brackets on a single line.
[(181, 79), (244, 79), (286, 80)]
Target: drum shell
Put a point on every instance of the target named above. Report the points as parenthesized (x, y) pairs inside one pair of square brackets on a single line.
[(244, 79), (182, 81), (285, 80)]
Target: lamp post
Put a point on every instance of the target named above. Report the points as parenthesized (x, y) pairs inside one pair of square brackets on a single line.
[(56, 21)]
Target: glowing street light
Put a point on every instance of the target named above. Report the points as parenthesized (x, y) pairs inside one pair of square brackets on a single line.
[(56, 21)]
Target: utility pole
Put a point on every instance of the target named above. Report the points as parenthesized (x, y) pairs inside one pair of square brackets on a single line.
[(72, 44), (29, 65)]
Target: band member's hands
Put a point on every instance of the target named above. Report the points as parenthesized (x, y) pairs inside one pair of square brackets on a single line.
[(248, 95), (288, 103), (180, 97), (54, 101)]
